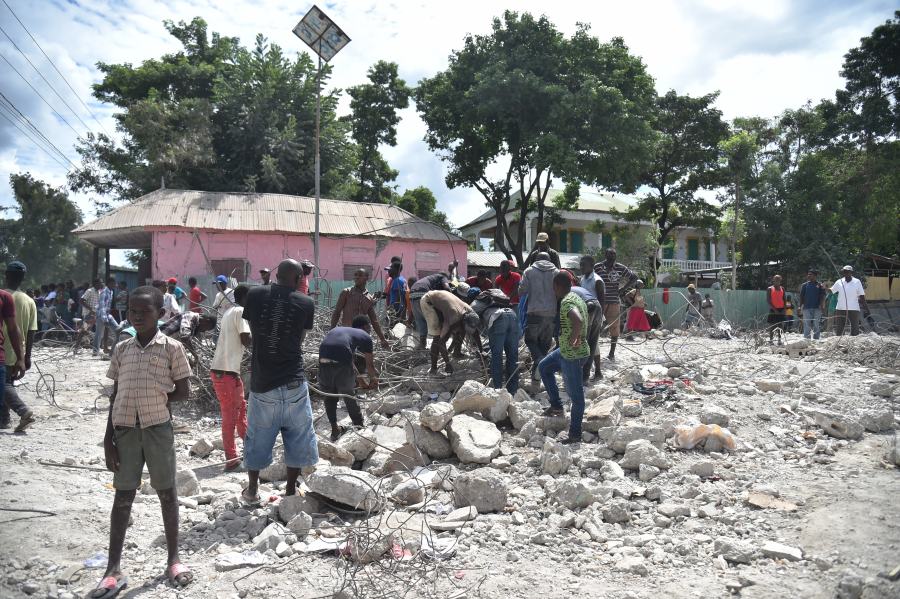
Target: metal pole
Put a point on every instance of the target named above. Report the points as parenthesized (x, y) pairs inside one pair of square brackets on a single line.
[(315, 272)]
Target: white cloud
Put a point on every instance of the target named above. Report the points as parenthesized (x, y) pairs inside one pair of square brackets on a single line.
[(763, 56)]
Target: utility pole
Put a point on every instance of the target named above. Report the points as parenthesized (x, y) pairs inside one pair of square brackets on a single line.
[(734, 229), (326, 39)]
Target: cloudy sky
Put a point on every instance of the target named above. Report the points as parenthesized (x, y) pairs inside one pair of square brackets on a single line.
[(763, 56)]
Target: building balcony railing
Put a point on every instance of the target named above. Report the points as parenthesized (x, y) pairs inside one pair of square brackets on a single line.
[(692, 265)]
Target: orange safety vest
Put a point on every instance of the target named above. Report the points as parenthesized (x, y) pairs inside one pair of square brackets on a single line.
[(777, 296)]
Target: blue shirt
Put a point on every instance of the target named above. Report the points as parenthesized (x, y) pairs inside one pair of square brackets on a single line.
[(340, 343), (811, 294), (105, 305), (585, 294), (395, 295)]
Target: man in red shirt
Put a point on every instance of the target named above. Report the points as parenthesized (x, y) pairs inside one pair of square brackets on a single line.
[(508, 282), (195, 295), (482, 280)]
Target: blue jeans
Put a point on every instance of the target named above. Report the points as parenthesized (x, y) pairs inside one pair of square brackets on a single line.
[(287, 410), (104, 323), (504, 337), (421, 324), (539, 335), (571, 373), (812, 322)]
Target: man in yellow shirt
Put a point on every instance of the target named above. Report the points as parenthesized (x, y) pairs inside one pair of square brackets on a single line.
[(26, 320)]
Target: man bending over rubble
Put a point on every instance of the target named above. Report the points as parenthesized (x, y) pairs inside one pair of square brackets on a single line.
[(446, 314), (150, 371), (279, 317), (338, 373)]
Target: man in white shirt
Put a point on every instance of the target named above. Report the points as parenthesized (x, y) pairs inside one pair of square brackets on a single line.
[(851, 298), (225, 371), (170, 304)]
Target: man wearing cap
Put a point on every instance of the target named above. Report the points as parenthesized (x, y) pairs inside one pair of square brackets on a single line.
[(851, 298), (303, 285), (224, 298), (264, 275), (177, 292), (812, 301), (542, 245), (19, 323), (540, 319), (446, 314)]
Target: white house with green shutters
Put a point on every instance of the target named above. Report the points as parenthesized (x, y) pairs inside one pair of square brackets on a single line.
[(689, 249)]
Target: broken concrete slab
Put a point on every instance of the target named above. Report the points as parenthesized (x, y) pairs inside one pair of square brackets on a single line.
[(361, 444), (186, 483), (474, 441), (839, 426), (436, 416), (642, 451), (767, 501), (234, 560), (352, 488), (338, 456), (522, 412), (484, 488), (779, 551), (624, 435), (435, 444), (734, 550), (291, 505), (202, 448), (713, 414)]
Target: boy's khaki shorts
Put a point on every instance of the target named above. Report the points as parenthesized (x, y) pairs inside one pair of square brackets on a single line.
[(153, 445)]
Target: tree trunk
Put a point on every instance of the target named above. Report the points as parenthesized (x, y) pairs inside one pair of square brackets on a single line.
[(734, 227)]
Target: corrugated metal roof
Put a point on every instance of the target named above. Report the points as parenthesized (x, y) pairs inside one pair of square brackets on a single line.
[(266, 212), (591, 201)]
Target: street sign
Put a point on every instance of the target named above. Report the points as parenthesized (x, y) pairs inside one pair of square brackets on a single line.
[(321, 34)]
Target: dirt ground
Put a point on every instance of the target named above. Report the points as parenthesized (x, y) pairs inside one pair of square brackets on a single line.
[(846, 521)]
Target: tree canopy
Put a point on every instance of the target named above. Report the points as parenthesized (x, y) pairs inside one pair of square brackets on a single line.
[(533, 105), (42, 235), (216, 116)]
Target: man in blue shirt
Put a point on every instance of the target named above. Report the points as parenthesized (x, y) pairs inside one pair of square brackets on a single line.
[(106, 324), (812, 301), (397, 291)]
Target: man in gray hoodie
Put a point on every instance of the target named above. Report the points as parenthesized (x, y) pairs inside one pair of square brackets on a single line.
[(540, 321)]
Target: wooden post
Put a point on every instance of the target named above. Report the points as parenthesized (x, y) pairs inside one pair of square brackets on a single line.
[(106, 269)]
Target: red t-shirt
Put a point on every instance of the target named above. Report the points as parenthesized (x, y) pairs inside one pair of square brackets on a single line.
[(509, 286), (196, 296), (7, 310)]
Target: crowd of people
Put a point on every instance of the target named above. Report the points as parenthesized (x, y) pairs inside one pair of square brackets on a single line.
[(561, 315)]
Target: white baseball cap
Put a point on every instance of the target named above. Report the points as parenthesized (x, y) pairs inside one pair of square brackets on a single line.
[(846, 268)]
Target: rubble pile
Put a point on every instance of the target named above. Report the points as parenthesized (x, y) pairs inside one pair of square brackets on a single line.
[(685, 466)]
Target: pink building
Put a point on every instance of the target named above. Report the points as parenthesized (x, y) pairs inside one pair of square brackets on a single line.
[(203, 234)]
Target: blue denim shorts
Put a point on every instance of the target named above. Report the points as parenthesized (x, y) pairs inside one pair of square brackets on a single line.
[(285, 410)]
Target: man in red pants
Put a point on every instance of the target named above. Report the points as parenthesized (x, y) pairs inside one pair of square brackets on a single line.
[(225, 371)]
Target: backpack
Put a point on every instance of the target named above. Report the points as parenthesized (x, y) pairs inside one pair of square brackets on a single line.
[(494, 297)]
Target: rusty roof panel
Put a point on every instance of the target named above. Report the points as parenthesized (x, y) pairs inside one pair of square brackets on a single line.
[(265, 213)]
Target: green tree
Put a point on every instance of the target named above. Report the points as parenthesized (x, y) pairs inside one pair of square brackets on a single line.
[(738, 156), (421, 202), (684, 160), (42, 235), (530, 103), (374, 122), (215, 116)]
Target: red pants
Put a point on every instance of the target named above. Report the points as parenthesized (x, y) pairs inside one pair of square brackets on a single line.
[(230, 391)]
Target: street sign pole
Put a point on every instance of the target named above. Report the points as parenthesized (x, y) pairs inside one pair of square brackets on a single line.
[(325, 39)]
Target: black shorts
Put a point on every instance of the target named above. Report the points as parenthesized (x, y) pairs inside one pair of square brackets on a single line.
[(777, 317)]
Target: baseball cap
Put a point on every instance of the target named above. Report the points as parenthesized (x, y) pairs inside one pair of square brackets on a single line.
[(462, 289), (15, 266), (172, 280), (264, 270), (846, 268), (543, 237), (222, 279)]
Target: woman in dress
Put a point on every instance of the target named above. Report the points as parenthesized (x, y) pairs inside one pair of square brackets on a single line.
[(637, 317)]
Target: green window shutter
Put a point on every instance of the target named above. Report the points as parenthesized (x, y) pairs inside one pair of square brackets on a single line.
[(564, 242), (577, 242), (607, 241), (693, 249)]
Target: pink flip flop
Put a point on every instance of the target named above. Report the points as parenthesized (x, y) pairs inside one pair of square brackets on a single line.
[(176, 570), (111, 587)]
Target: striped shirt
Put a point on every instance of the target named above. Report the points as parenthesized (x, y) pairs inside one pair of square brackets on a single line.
[(612, 280), (145, 377)]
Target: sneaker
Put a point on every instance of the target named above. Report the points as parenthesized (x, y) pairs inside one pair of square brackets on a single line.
[(551, 411), (567, 440), (24, 422)]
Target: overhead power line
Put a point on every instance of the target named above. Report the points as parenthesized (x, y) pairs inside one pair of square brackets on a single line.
[(40, 95), (32, 139), (31, 131), (41, 75), (53, 64)]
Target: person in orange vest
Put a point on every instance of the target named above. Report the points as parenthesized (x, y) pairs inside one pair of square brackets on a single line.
[(775, 295)]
